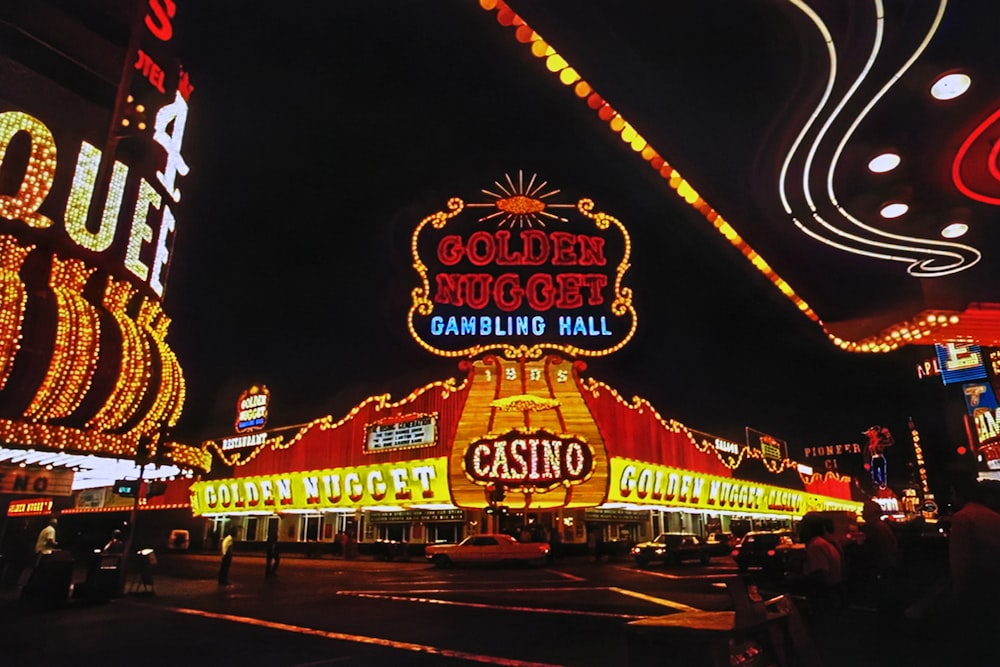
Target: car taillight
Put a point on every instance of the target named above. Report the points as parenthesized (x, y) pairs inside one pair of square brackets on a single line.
[(736, 552), (770, 552)]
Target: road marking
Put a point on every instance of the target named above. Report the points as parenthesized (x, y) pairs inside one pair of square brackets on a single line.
[(567, 575), (497, 607), (362, 639), (490, 589), (649, 598), (666, 575)]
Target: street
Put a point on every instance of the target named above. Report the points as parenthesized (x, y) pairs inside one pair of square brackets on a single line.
[(364, 612)]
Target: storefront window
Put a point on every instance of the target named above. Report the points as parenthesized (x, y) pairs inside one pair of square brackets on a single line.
[(250, 529), (398, 532), (444, 532), (310, 527)]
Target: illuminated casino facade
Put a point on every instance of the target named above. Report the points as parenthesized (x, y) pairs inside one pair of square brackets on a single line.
[(92, 172), (93, 109), (519, 289)]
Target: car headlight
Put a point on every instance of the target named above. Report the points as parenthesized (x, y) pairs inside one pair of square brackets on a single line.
[(636, 550), (660, 550)]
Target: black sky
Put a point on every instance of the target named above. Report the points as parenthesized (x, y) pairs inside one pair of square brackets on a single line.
[(320, 133)]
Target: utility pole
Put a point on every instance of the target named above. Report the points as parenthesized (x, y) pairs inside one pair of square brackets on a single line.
[(130, 537)]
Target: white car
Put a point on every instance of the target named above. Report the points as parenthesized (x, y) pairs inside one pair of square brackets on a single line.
[(487, 548)]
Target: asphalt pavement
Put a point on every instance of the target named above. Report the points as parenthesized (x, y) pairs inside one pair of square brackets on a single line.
[(143, 627)]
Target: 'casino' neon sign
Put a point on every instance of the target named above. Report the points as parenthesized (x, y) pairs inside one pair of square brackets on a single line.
[(538, 281), (530, 461)]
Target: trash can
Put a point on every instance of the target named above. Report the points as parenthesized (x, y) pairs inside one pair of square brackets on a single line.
[(50, 582), (141, 578), (103, 578)]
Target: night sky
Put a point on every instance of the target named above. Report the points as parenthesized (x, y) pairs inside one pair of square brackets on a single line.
[(320, 134)]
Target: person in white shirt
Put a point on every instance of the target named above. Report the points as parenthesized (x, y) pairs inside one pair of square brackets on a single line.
[(227, 556), (46, 542)]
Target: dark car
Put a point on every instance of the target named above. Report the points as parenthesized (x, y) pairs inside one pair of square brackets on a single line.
[(774, 553), (672, 548), (721, 544)]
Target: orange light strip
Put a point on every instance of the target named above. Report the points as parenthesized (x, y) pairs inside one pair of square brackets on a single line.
[(885, 341), (381, 401), (641, 405), (61, 438)]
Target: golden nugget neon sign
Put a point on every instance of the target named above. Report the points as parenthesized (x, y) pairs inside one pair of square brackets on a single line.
[(524, 287), (647, 483), (422, 481)]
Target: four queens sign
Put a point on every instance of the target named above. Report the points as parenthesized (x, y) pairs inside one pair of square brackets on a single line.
[(521, 274)]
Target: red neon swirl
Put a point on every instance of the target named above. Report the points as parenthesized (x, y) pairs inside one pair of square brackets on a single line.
[(956, 175)]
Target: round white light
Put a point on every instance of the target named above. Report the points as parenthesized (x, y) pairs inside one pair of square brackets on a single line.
[(883, 163), (954, 230), (894, 210), (950, 86)]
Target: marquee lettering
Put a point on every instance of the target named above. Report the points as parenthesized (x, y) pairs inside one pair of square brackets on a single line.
[(532, 460), (661, 485), (384, 483), (36, 183)]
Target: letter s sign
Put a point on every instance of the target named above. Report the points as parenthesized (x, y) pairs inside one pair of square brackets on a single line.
[(158, 21)]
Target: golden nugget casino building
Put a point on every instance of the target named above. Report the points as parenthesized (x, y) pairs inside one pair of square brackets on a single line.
[(519, 289)]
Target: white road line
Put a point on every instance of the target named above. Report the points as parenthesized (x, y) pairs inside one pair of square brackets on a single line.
[(496, 607), (571, 577), (667, 575), (649, 598), (362, 639)]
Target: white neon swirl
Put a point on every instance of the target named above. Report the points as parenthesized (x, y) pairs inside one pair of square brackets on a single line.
[(953, 252), (832, 52)]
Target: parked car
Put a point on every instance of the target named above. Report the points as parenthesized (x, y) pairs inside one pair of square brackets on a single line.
[(672, 548), (721, 544), (772, 553), (487, 548)]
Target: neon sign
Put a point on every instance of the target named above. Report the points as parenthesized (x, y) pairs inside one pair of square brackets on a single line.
[(522, 287), (529, 460), (420, 481), (960, 362), (401, 432), (251, 410)]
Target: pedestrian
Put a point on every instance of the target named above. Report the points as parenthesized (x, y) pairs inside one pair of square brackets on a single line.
[(46, 542), (227, 556), (973, 552), (341, 544), (271, 556), (555, 545), (879, 564), (822, 578), (115, 545)]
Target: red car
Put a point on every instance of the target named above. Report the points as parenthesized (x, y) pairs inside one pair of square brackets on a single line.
[(487, 548)]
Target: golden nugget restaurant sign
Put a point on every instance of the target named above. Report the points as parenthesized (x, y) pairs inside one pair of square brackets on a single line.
[(651, 484), (418, 482)]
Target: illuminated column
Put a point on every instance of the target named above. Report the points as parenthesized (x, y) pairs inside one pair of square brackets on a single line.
[(134, 369), (13, 297), (919, 454), (77, 344)]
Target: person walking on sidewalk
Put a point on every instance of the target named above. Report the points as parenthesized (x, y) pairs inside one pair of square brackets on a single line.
[(271, 556), (227, 556)]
